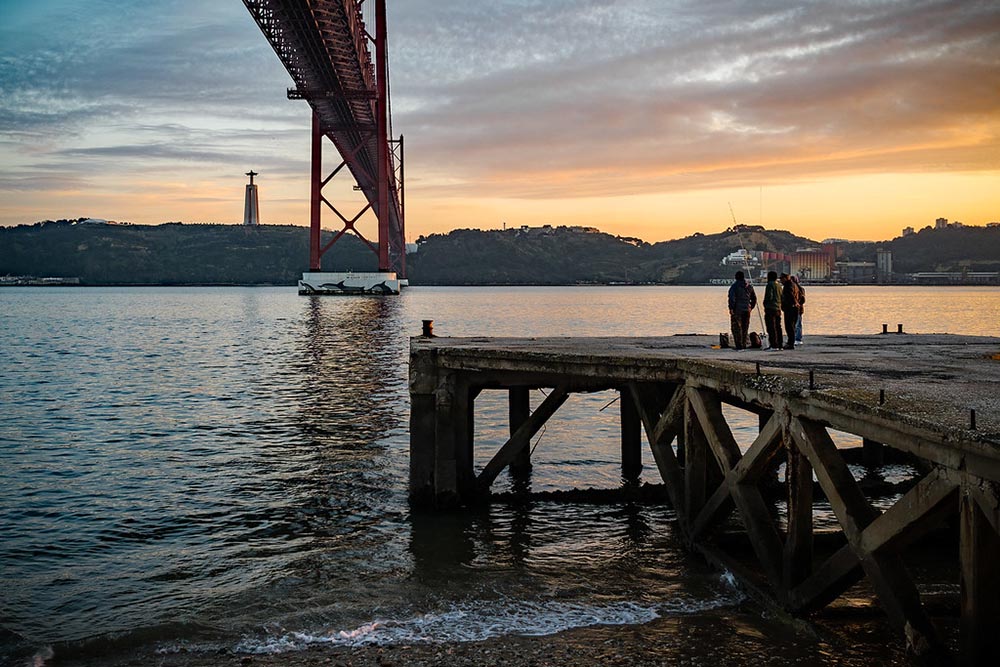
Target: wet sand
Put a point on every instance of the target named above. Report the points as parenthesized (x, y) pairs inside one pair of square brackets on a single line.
[(744, 636)]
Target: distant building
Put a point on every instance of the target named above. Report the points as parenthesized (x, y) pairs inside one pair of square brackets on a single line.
[(993, 224), (811, 264), (907, 231), (941, 223), (856, 273), (956, 278), (773, 261), (957, 225), (883, 265), (740, 258), (251, 215)]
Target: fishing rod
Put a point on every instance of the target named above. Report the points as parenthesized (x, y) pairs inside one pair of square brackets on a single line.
[(746, 265)]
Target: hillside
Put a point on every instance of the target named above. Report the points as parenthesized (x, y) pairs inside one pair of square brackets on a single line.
[(176, 253), (169, 254)]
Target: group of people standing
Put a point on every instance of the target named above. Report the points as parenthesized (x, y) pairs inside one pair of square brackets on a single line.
[(784, 298)]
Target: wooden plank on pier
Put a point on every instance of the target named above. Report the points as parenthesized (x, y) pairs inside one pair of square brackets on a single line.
[(798, 554), (749, 470), (747, 497), (519, 409), (907, 520), (631, 437), (662, 425), (980, 578), (893, 585), (510, 449)]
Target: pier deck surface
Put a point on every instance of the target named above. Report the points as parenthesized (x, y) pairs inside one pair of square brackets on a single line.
[(927, 378)]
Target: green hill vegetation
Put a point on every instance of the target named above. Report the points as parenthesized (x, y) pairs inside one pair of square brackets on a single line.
[(176, 253), (169, 254)]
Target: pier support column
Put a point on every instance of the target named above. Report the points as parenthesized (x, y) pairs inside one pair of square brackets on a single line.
[(519, 409), (980, 551), (799, 540), (872, 453), (422, 447), (631, 438), (453, 474), (695, 464)]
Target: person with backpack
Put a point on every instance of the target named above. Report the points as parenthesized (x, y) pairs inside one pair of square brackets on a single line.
[(742, 300)]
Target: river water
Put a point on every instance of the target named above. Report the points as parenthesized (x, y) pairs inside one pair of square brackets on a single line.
[(225, 468)]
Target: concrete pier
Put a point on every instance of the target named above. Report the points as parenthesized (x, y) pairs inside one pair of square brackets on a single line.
[(934, 398)]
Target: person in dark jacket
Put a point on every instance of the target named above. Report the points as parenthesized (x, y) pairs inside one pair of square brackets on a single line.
[(742, 299), (772, 311), (789, 308)]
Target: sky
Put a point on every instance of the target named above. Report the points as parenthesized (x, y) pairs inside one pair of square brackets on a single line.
[(647, 118)]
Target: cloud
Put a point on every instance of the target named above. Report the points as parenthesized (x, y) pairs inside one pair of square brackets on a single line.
[(641, 96), (533, 99)]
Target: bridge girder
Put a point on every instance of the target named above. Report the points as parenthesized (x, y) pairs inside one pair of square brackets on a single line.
[(324, 46)]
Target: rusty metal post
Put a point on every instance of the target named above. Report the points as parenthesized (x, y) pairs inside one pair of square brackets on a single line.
[(382, 113), (315, 196)]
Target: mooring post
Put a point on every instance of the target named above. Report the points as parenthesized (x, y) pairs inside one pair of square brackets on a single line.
[(872, 452), (980, 584), (899, 328), (885, 328), (427, 329), (519, 409), (631, 437)]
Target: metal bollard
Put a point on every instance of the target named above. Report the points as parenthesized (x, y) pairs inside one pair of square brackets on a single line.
[(428, 329), (899, 328)]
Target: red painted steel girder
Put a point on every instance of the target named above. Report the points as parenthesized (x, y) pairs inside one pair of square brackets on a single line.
[(324, 46)]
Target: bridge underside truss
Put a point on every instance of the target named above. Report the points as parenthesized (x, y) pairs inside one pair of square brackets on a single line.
[(324, 46)]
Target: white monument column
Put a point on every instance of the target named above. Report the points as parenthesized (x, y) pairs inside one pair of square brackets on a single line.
[(250, 214)]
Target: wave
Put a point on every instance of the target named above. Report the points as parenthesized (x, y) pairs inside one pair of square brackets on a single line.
[(480, 620)]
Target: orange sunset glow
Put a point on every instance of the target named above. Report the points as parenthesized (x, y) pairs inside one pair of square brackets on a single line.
[(640, 118)]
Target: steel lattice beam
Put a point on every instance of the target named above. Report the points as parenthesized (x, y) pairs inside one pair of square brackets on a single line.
[(324, 46)]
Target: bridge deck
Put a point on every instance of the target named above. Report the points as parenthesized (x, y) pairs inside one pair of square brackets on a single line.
[(672, 389)]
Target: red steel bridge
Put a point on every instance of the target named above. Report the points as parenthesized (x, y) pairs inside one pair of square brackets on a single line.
[(324, 45)]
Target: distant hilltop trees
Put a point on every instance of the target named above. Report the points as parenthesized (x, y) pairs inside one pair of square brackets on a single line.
[(100, 252)]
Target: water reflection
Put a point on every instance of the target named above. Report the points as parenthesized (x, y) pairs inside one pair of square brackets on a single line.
[(350, 363)]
